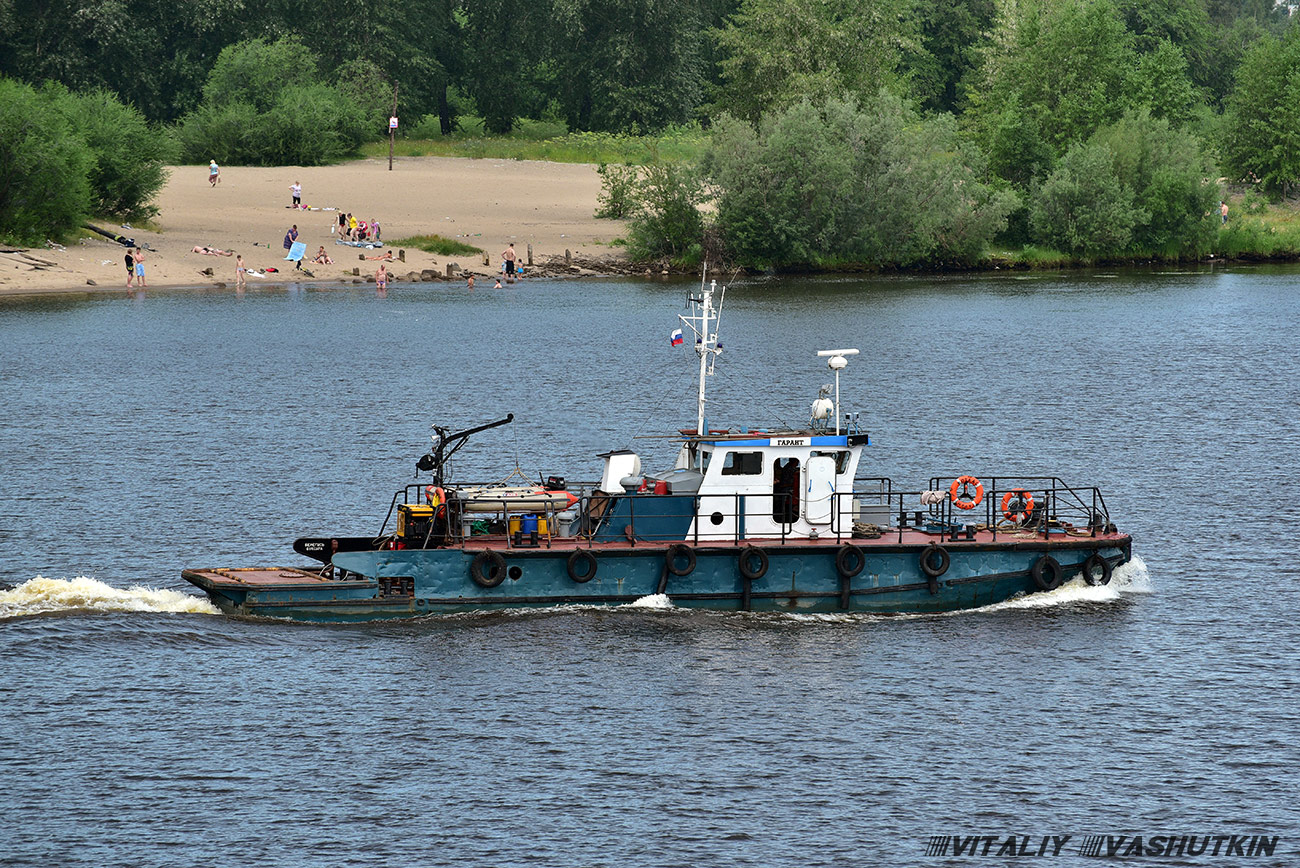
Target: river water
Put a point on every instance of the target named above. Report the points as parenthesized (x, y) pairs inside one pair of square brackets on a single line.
[(173, 429)]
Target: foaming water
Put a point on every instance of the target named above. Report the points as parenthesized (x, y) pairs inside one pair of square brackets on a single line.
[(1130, 578), (42, 596)]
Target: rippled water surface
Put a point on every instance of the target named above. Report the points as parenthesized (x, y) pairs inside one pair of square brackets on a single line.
[(177, 429)]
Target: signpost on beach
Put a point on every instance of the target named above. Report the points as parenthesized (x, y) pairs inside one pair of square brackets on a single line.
[(392, 129)]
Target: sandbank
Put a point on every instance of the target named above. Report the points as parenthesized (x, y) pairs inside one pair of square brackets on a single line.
[(484, 203)]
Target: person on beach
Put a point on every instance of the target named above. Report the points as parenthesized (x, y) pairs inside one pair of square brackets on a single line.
[(211, 251), (386, 256), (374, 229), (323, 258), (508, 255), (352, 226), (130, 268), (291, 236), (343, 224), (214, 173), (139, 267), (1223, 211), (296, 189), (381, 277), (241, 273)]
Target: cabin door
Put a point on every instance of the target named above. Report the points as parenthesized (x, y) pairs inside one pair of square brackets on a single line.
[(819, 489)]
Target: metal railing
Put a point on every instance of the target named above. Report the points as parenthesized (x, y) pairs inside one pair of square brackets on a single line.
[(1057, 507)]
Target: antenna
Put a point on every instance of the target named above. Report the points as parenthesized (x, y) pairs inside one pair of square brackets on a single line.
[(703, 321), (837, 363)]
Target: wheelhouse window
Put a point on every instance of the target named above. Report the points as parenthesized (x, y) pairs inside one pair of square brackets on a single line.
[(742, 464), (841, 457)]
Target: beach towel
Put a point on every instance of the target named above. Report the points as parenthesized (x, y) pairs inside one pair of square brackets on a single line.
[(297, 251)]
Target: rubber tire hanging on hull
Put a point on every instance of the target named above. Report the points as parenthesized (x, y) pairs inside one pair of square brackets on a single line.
[(1094, 561), (850, 560), (491, 576), (680, 550), (746, 569), (932, 570), (585, 557), (1047, 573)]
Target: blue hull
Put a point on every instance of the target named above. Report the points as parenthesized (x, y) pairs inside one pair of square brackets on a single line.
[(798, 578)]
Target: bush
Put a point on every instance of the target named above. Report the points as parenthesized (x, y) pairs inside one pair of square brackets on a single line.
[(1136, 187), (837, 184), (1083, 207), (265, 105), (667, 220), (44, 168), (129, 155), (617, 191)]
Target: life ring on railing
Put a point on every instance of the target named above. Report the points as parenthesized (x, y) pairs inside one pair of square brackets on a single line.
[(745, 564), (1047, 573), (434, 496), (850, 560), (1095, 561), (1024, 505), (965, 501), (676, 551), (488, 569), (577, 573)]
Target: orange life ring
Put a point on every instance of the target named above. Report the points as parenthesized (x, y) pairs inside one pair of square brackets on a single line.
[(961, 482), (1018, 516), (434, 495)]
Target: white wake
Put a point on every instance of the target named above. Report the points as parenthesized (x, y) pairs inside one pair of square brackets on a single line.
[(42, 596)]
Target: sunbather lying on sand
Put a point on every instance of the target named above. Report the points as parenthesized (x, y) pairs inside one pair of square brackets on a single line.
[(211, 251), (386, 257)]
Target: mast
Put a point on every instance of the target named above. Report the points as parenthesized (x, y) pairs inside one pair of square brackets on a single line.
[(703, 321)]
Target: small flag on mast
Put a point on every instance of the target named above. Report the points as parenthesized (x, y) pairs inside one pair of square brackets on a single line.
[(676, 338)]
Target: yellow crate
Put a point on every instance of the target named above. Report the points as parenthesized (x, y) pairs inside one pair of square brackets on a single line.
[(408, 514)]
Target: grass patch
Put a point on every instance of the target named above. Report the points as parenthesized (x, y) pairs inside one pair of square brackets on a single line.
[(438, 244), (549, 141)]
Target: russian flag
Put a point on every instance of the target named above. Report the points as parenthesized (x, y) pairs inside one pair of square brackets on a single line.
[(676, 338)]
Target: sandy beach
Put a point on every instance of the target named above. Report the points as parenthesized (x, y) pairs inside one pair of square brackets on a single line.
[(484, 203)]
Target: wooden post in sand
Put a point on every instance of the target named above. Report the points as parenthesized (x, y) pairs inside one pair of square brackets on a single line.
[(392, 129), (530, 255)]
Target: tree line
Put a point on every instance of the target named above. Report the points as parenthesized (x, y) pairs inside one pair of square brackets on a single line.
[(842, 131)]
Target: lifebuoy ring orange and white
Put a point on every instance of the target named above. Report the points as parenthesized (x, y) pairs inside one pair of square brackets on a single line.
[(1021, 510), (434, 496), (965, 500)]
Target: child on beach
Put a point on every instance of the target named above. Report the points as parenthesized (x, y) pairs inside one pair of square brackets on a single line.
[(214, 173), (469, 282), (139, 267), (241, 281), (130, 268)]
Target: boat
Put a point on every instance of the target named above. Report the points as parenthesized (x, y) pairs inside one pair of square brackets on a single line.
[(744, 520)]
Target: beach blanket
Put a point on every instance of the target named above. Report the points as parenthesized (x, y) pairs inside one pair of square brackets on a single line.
[(369, 245), (297, 251)]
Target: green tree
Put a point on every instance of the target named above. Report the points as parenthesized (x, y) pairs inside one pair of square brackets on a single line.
[(129, 155), (776, 53), (266, 105), (1083, 207), (1171, 181), (44, 167), (836, 184), (499, 65), (667, 222), (1070, 65), (624, 65), (1261, 125)]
